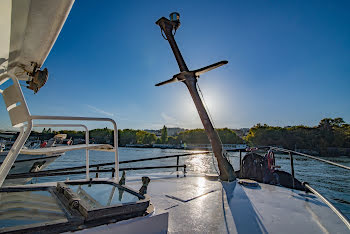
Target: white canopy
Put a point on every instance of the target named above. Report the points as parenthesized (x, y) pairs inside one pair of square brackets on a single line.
[(28, 30)]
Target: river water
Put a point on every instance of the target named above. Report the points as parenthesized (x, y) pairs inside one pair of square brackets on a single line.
[(331, 181)]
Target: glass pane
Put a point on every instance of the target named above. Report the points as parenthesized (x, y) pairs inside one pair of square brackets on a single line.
[(29, 207), (102, 195)]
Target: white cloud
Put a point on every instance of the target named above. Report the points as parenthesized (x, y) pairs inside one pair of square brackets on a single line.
[(96, 110)]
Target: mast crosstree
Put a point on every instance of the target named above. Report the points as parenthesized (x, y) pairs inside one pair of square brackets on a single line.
[(190, 79)]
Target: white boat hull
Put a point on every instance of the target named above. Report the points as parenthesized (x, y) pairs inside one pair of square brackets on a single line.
[(27, 163)]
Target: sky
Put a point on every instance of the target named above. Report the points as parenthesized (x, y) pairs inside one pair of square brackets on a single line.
[(289, 64)]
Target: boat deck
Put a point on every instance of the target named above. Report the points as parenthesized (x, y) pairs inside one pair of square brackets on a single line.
[(198, 205)]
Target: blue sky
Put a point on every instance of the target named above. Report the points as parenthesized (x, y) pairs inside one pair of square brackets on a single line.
[(289, 63)]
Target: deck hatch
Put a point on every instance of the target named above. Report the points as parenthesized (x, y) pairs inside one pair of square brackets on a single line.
[(29, 209), (98, 200)]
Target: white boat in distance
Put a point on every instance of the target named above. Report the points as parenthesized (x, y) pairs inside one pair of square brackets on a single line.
[(29, 160), (177, 204)]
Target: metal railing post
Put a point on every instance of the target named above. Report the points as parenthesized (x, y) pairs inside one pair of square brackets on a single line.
[(177, 164), (240, 163), (97, 168), (313, 157), (292, 167), (87, 160), (14, 151)]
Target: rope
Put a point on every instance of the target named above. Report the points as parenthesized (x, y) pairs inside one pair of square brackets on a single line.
[(224, 152), (161, 31)]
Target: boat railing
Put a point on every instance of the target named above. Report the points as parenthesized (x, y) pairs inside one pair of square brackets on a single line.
[(87, 139), (330, 205), (76, 170), (292, 152), (76, 118), (305, 184), (21, 118)]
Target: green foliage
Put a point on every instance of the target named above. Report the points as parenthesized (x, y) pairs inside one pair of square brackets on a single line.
[(198, 136), (127, 136), (143, 137), (164, 135), (329, 133), (158, 141), (131, 136), (193, 136), (102, 135), (228, 136), (173, 140)]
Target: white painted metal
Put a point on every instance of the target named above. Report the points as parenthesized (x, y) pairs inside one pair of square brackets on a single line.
[(87, 139), (16, 104), (18, 115), (62, 149), (14, 151), (340, 215), (152, 224), (5, 38), (75, 118)]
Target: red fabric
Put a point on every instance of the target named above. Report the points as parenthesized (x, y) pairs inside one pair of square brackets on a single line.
[(43, 145)]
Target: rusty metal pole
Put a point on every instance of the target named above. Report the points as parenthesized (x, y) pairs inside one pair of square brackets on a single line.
[(226, 170)]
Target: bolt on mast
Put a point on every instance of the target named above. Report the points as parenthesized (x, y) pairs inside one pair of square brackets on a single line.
[(190, 79)]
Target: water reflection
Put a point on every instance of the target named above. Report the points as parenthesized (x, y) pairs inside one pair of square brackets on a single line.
[(198, 164)]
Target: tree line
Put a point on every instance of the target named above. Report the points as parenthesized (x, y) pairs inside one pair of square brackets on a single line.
[(330, 136), (132, 136)]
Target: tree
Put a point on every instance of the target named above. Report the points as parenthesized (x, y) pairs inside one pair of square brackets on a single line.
[(228, 136), (330, 134), (128, 136), (149, 138), (173, 140), (164, 135), (338, 122)]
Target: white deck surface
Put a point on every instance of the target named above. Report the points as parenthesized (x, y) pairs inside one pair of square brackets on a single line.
[(197, 205)]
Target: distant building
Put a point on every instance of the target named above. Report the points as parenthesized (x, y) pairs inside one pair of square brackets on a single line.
[(174, 131), (156, 132), (171, 131)]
